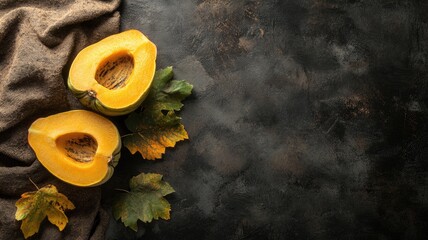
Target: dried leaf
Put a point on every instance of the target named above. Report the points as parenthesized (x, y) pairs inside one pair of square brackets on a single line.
[(157, 126), (33, 207)]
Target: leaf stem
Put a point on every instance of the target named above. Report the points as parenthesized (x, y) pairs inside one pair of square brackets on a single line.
[(33, 183), (122, 190), (129, 134)]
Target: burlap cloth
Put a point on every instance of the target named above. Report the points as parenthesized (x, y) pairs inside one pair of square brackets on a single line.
[(38, 40)]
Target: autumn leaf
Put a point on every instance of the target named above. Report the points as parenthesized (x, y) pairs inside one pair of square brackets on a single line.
[(145, 201), (157, 126), (33, 207)]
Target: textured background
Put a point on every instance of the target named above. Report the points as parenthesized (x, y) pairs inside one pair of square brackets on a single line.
[(308, 119)]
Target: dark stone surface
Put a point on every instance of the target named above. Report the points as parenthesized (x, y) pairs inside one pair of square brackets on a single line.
[(308, 119)]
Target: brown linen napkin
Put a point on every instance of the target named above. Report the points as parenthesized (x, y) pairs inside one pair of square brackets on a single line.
[(38, 41)]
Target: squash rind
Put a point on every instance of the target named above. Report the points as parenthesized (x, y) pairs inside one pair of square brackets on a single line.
[(86, 98)]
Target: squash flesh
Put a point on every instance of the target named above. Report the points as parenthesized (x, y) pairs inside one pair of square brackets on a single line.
[(49, 137), (91, 60), (135, 88)]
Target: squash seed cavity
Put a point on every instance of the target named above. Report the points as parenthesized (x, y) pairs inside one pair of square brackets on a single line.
[(115, 71), (79, 147)]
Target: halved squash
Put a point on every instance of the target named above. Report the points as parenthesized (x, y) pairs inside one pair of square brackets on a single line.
[(113, 76), (79, 147)]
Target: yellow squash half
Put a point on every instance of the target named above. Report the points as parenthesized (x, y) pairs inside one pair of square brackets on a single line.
[(79, 147), (113, 76)]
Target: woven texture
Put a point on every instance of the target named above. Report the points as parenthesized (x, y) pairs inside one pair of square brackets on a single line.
[(38, 41)]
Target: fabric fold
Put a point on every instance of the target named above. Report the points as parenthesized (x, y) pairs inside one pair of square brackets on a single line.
[(38, 41)]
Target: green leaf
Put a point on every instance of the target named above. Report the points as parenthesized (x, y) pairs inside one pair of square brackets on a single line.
[(157, 126), (33, 207), (144, 202)]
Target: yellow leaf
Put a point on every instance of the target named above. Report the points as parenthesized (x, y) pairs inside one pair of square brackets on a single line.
[(33, 207), (152, 141)]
